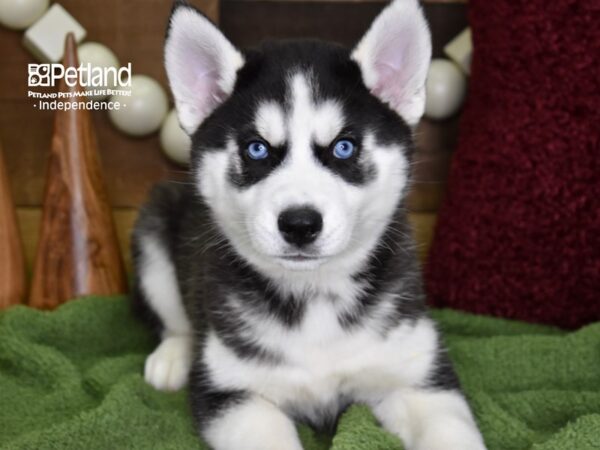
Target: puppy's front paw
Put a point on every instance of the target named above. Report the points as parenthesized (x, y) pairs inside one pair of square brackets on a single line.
[(462, 438), (254, 424), (168, 367)]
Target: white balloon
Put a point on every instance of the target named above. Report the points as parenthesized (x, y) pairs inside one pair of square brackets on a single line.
[(176, 144), (143, 112), (101, 56), (445, 89), (20, 14)]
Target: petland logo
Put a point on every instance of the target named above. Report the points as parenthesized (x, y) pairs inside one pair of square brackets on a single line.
[(99, 83), (48, 75)]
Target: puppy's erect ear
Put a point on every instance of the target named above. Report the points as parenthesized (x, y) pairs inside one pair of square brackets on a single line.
[(201, 65), (394, 57)]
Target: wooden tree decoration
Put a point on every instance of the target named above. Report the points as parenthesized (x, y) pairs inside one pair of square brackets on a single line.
[(78, 252), (12, 267)]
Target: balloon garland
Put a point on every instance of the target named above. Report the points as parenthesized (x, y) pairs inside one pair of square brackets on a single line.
[(20, 14), (446, 85), (147, 108), (445, 89)]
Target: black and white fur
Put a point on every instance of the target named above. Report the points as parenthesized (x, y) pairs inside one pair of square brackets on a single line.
[(267, 332)]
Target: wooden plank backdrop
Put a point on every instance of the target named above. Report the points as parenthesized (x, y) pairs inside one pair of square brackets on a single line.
[(134, 30)]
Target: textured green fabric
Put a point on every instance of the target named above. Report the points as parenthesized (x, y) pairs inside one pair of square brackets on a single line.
[(71, 379)]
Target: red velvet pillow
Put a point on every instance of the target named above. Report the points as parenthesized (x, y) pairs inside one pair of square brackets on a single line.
[(519, 233)]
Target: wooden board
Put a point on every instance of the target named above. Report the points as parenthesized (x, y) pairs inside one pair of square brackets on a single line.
[(342, 21)]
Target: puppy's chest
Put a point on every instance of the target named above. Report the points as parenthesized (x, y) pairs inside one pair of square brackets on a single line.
[(323, 350), (323, 365)]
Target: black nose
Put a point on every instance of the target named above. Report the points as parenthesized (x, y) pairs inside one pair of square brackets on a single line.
[(300, 226)]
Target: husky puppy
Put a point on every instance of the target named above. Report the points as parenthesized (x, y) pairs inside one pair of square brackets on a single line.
[(282, 278)]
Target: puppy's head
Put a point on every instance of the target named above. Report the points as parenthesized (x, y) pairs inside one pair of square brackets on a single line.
[(301, 148)]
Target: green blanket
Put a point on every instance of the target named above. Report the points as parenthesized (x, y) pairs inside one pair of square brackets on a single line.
[(71, 379)]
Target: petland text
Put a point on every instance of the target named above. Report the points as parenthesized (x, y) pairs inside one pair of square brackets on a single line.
[(47, 75)]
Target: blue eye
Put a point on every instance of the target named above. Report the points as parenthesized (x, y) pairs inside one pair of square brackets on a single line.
[(257, 150), (343, 149)]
